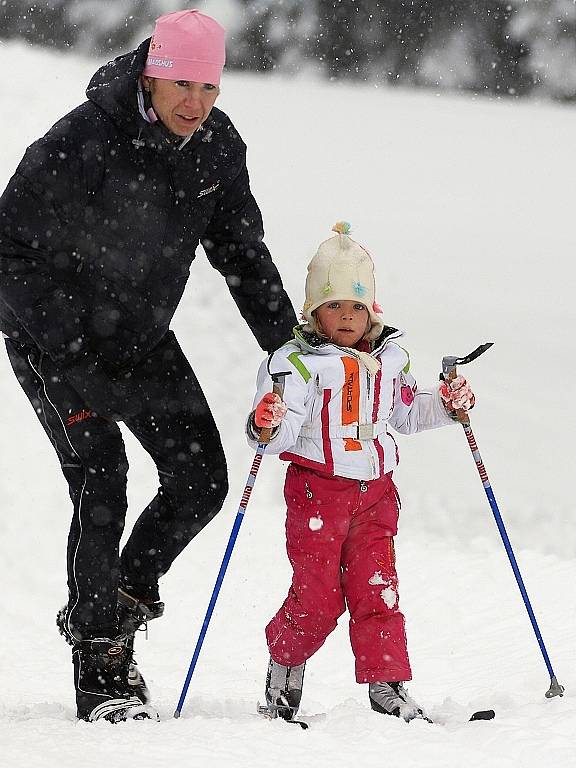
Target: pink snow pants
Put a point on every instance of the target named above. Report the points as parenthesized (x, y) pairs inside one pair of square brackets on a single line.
[(339, 542)]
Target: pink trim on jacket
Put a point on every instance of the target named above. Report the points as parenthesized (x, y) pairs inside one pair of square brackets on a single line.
[(327, 443), (375, 409)]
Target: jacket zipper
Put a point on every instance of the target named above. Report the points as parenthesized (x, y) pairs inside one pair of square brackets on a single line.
[(370, 408)]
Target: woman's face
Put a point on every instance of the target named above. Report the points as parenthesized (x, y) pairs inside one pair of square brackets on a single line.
[(343, 322), (181, 105)]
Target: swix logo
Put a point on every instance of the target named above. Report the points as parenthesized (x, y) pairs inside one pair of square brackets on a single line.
[(208, 190), (77, 417), (349, 391)]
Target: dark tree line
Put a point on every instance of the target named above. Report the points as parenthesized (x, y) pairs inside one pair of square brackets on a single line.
[(512, 47)]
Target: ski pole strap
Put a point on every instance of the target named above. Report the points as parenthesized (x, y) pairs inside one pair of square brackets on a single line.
[(450, 361)]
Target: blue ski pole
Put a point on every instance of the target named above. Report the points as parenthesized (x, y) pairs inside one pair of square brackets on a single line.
[(278, 388), (448, 373)]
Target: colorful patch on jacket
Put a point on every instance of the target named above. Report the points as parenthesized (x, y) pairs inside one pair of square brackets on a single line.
[(350, 407)]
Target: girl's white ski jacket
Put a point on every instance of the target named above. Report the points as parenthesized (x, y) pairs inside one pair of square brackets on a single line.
[(339, 413)]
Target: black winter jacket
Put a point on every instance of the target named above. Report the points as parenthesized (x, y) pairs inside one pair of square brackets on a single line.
[(100, 223)]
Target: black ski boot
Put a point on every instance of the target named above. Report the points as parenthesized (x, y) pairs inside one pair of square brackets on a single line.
[(393, 699), (283, 690), (101, 679), (132, 615)]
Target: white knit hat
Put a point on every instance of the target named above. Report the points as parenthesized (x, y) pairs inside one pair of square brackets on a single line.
[(342, 270)]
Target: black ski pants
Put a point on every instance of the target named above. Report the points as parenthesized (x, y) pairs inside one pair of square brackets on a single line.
[(175, 426)]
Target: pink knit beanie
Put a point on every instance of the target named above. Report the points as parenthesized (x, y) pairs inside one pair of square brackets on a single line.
[(186, 45)]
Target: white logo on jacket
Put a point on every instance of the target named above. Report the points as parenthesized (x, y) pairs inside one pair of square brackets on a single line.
[(208, 190)]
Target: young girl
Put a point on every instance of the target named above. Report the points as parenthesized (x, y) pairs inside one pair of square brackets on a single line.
[(349, 381)]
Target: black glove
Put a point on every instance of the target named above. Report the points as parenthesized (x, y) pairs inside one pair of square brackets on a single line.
[(109, 394)]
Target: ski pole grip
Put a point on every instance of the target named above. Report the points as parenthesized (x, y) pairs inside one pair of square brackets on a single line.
[(460, 414), (278, 389), (449, 363)]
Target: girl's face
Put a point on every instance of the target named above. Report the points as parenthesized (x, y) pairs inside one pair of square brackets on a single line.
[(343, 322)]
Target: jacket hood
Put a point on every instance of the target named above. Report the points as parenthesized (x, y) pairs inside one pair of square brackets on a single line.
[(114, 88)]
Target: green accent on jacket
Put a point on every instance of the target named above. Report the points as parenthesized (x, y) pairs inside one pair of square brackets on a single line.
[(294, 358), (407, 366)]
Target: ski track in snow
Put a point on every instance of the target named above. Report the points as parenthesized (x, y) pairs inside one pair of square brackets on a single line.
[(466, 205)]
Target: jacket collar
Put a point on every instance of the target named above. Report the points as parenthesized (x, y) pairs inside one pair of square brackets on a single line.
[(311, 342)]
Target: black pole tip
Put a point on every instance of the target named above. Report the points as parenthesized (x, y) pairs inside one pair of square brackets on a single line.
[(555, 688), (483, 714)]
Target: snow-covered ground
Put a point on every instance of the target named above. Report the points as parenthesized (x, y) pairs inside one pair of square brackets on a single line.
[(467, 206)]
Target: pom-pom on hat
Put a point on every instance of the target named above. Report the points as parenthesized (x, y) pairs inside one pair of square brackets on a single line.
[(186, 45), (341, 270)]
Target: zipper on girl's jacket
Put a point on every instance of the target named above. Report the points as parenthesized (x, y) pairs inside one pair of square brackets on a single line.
[(369, 418), (308, 491), (373, 463)]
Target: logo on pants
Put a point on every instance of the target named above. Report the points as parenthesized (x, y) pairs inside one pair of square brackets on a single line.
[(78, 417)]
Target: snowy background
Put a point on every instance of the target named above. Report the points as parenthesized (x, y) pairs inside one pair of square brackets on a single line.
[(506, 48), (467, 207)]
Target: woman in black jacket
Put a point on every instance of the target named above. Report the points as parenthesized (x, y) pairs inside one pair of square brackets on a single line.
[(98, 228)]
